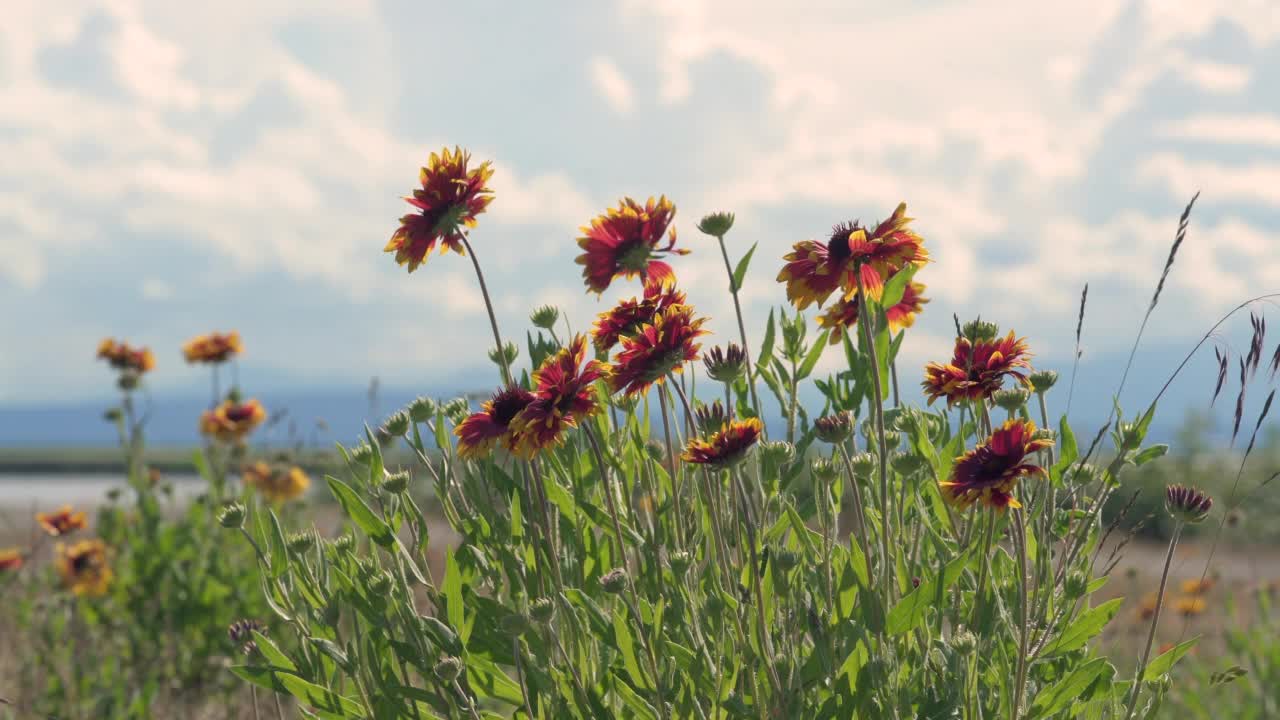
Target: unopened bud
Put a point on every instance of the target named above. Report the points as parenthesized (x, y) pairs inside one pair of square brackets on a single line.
[(614, 581), (232, 516), (545, 317), (717, 224)]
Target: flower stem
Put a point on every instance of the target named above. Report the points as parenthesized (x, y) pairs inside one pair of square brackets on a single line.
[(1025, 633), (488, 305), (864, 321), (742, 328), (1155, 620)]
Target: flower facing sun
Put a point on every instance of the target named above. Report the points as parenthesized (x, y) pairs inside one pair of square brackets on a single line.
[(989, 473), (212, 349), (659, 348), (725, 448), (450, 198), (62, 522), (232, 421), (629, 316), (627, 241), (563, 397), (479, 433), (122, 356), (842, 315), (276, 483), (10, 559), (815, 270), (977, 370), (83, 567)]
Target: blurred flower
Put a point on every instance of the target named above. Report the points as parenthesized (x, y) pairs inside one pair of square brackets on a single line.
[(710, 418), (725, 448), (658, 349), (1147, 607), (1190, 606), (989, 473), (62, 522), (450, 198), (276, 483), (1197, 586), (815, 270), (977, 371), (843, 314), (1187, 504), (726, 364), (83, 567), (563, 397), (478, 434), (231, 420), (213, 348), (241, 633), (626, 241), (121, 356), (629, 316), (10, 559)]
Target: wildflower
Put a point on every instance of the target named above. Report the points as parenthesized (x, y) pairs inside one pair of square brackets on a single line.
[(83, 567), (725, 365), (656, 350), (1187, 504), (122, 356), (62, 522), (450, 198), (213, 348), (231, 516), (276, 483), (1197, 586), (977, 370), (232, 420), (614, 581), (361, 454), (563, 397), (725, 448), (834, 428), (843, 314), (815, 270), (717, 224), (629, 316), (1190, 606), (241, 633), (479, 433), (10, 559), (1147, 608), (626, 241), (989, 473), (545, 317)]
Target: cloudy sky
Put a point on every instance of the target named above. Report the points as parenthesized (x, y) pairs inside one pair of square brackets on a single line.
[(170, 168)]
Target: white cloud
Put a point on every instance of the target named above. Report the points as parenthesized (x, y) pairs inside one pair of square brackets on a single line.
[(1257, 182), (612, 84), (1238, 129), (156, 289)]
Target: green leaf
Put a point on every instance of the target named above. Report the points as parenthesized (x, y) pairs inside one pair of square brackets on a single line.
[(272, 653), (1085, 627), (1060, 696), (896, 286), (637, 704), (377, 469), (1165, 662), (1066, 446), (1222, 677), (444, 636), (453, 594), (279, 552), (910, 610), (626, 644), (815, 354), (740, 272), (361, 513), (330, 648), (766, 347), (1151, 453), (491, 681)]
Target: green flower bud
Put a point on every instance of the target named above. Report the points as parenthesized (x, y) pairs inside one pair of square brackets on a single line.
[(891, 439), (457, 410), (715, 605), (234, 396), (824, 470), (1130, 435), (977, 331), (344, 543), (515, 624), (656, 451), (1076, 585), (232, 516), (545, 317), (447, 670), (778, 452), (726, 364), (717, 224), (787, 560), (422, 409), (113, 494), (380, 585), (834, 428), (510, 351), (680, 561), (964, 642), (1043, 380), (397, 424), (300, 542), (906, 463), (710, 418), (361, 454), (542, 610), (1011, 400), (614, 581), (1187, 504), (396, 482), (863, 464)]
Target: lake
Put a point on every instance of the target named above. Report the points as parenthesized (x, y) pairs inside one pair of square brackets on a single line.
[(79, 489)]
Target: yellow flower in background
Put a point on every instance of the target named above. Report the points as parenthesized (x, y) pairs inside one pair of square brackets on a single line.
[(232, 421), (83, 567), (212, 348), (122, 356), (276, 483), (10, 559), (1190, 606), (1197, 586), (62, 522)]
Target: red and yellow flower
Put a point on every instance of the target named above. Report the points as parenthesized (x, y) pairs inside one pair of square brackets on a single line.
[(276, 483), (657, 349), (10, 559), (122, 356), (627, 241), (977, 370), (563, 397), (814, 270), (630, 315), (213, 348), (83, 567), (725, 448), (232, 421), (843, 314), (479, 433), (989, 473), (62, 522), (449, 200)]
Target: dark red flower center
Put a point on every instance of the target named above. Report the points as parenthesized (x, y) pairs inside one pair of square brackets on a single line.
[(238, 413), (838, 246), (507, 404)]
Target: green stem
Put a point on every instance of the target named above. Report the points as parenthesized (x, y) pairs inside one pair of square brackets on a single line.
[(864, 322), (1025, 634), (742, 328), (1155, 620), (488, 305)]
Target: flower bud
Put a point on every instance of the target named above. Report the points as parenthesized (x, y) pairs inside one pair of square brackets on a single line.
[(835, 428), (380, 585), (777, 452), (300, 542), (515, 624), (128, 381), (725, 365), (964, 642), (1043, 380), (113, 494), (1130, 435), (457, 410), (232, 516), (656, 451), (976, 331), (361, 454), (710, 418), (397, 424), (542, 610), (545, 317), (863, 464), (447, 670), (1076, 585), (422, 409), (344, 543), (680, 561), (510, 351), (891, 439), (614, 581), (1187, 504), (717, 224), (824, 470), (786, 560), (905, 463), (1011, 400), (396, 482)]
